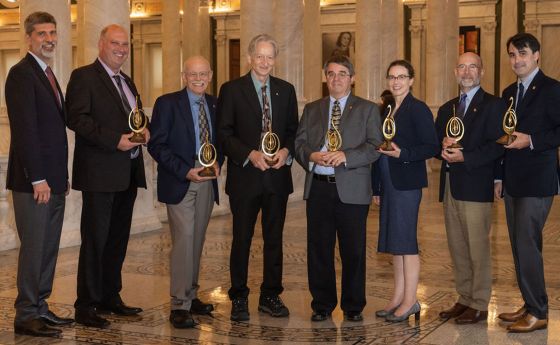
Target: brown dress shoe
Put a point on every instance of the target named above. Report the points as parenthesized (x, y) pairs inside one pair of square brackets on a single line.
[(512, 317), (471, 316), (528, 324), (454, 311)]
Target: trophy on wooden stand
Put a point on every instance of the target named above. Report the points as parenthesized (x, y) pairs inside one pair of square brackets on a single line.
[(137, 121), (508, 124), (455, 129), (389, 129), (207, 156)]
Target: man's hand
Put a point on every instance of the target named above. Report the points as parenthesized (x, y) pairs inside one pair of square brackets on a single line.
[(41, 192), (125, 144), (318, 158), (216, 168), (193, 176), (522, 141), (452, 155), (259, 160), (377, 200), (146, 133), (282, 156), (498, 189), (447, 141), (395, 153), (335, 158)]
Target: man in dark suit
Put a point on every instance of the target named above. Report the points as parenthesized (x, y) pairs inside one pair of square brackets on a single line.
[(181, 123), (467, 188), (530, 177), (256, 181), (108, 169), (338, 189), (37, 174)]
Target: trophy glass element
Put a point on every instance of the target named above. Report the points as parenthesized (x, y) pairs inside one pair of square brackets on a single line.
[(137, 121), (270, 145), (207, 156), (508, 125), (389, 129), (455, 129)]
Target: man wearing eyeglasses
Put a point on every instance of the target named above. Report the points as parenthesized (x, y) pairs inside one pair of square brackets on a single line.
[(182, 122), (248, 108), (338, 189), (467, 188)]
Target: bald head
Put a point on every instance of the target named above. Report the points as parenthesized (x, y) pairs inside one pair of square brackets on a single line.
[(197, 74), (113, 46), (469, 71)]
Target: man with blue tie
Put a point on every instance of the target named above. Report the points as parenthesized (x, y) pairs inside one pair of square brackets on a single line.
[(530, 177), (182, 121)]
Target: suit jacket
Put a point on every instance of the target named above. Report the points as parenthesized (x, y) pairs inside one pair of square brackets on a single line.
[(417, 138), (360, 131), (173, 144), (38, 144), (239, 132), (98, 118), (533, 173), (473, 179)]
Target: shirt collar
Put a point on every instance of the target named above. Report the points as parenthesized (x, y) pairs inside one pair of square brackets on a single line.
[(470, 94), (529, 79), (193, 98), (41, 63), (341, 100), (257, 82), (109, 70)]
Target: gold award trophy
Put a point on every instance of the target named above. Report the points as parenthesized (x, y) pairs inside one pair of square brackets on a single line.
[(137, 121), (333, 138), (455, 129), (389, 129), (207, 156), (270, 144), (508, 124)]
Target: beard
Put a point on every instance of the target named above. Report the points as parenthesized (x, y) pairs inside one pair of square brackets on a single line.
[(48, 53)]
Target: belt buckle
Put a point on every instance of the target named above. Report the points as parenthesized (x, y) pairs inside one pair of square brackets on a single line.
[(331, 179)]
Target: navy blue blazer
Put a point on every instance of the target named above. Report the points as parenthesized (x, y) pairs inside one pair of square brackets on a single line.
[(473, 179), (534, 173), (173, 144), (417, 138)]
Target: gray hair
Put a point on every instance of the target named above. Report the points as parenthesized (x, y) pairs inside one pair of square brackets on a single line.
[(37, 18), (262, 38), (341, 60)]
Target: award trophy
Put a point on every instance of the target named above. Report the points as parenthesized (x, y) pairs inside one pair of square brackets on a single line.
[(389, 129), (137, 121), (508, 124), (455, 129), (207, 156), (333, 138), (270, 144)]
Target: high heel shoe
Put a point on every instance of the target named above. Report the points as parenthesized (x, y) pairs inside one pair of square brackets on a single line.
[(385, 313), (415, 309)]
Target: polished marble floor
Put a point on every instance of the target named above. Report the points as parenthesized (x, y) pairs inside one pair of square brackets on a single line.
[(146, 283)]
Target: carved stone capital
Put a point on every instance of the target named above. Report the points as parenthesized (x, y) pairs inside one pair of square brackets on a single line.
[(531, 25), (416, 30), (489, 27), (220, 39)]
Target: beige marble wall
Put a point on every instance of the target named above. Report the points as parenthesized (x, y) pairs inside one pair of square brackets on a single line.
[(197, 33), (542, 19), (257, 18), (312, 52), (170, 42)]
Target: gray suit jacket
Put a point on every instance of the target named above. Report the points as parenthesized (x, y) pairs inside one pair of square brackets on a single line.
[(360, 127)]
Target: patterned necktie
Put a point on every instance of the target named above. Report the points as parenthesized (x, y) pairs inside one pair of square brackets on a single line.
[(127, 108), (520, 94), (52, 81), (266, 110), (202, 121), (462, 105), (336, 114)]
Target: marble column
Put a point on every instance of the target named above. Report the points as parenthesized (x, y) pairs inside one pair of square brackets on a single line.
[(93, 16), (376, 46), (312, 56), (60, 9), (197, 34), (441, 51), (417, 43), (170, 41), (488, 53), (256, 18), (509, 25)]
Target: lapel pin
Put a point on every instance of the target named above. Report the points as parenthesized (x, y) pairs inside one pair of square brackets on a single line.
[(534, 87), (276, 93), (474, 110)]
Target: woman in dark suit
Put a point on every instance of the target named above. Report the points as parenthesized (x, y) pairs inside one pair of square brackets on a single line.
[(399, 176)]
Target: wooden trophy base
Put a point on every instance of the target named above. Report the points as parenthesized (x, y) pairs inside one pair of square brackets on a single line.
[(272, 163), (207, 172), (137, 138), (506, 139), (386, 146), (455, 146)]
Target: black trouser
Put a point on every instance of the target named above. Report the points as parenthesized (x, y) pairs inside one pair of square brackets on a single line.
[(327, 219)]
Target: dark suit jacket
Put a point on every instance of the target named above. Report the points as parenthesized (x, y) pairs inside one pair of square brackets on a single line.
[(97, 115), (359, 128), (38, 143), (473, 179), (533, 173), (239, 132), (173, 144), (417, 138)]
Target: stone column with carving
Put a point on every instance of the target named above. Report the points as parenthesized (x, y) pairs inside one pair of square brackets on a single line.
[(508, 28), (312, 48), (197, 35), (171, 40), (256, 18), (442, 50), (417, 38), (488, 52)]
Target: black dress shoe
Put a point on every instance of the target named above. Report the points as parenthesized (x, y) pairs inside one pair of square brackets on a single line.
[(181, 319), (118, 308), (239, 309), (36, 328), (52, 319), (353, 316), (456, 310), (273, 305), (200, 308), (90, 318), (320, 316), (471, 316)]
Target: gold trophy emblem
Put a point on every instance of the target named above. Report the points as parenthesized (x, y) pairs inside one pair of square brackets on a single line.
[(508, 124), (270, 144), (455, 129), (333, 138), (137, 121), (207, 156), (389, 129)]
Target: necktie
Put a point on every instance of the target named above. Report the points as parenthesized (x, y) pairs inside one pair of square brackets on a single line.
[(127, 108), (520, 94), (52, 81), (462, 106), (202, 122), (266, 110), (336, 114)]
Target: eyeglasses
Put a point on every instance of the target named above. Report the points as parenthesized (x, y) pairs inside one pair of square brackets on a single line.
[(400, 77), (340, 75), (469, 67), (200, 75)]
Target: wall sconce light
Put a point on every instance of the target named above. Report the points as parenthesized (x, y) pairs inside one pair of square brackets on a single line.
[(137, 9)]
